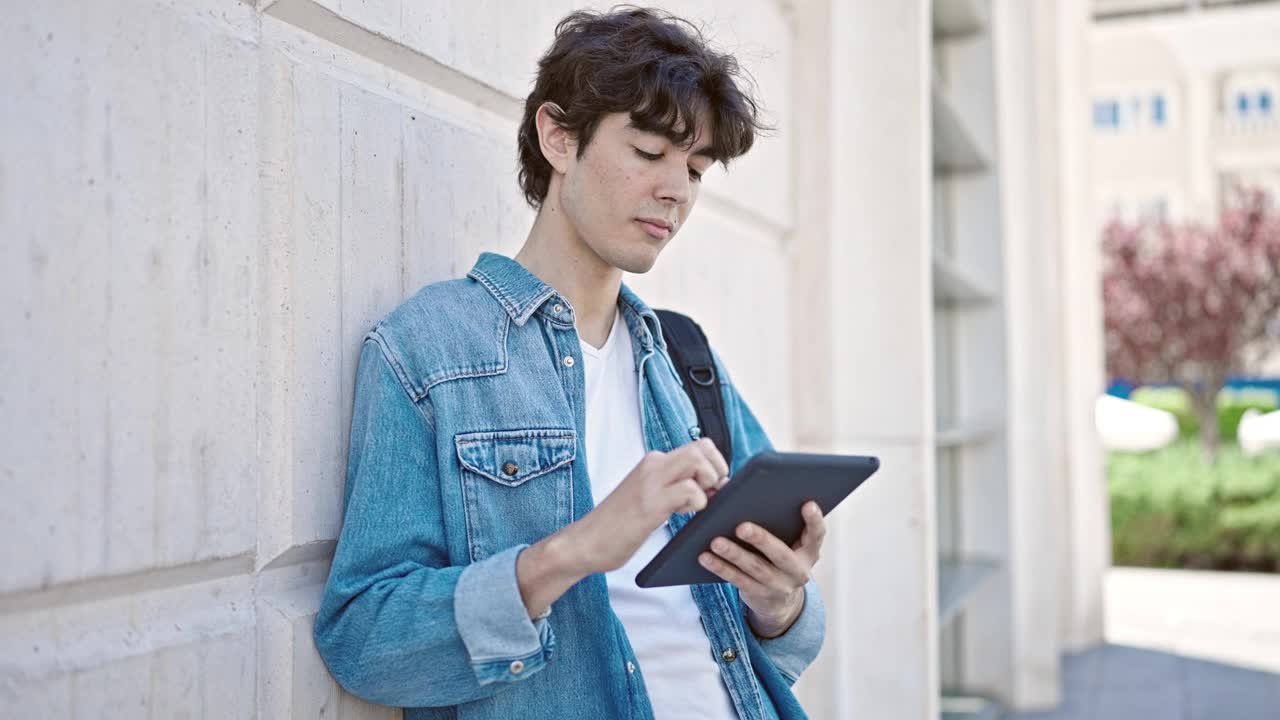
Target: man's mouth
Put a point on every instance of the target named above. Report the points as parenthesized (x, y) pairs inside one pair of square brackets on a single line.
[(657, 229)]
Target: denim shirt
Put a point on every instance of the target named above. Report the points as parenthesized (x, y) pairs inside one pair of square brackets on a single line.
[(467, 445)]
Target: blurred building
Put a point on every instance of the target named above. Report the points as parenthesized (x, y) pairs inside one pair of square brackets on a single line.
[(1185, 104), (206, 204)]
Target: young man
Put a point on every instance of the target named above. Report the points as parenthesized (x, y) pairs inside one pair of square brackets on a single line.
[(521, 444)]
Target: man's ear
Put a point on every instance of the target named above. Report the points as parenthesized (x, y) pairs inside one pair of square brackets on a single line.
[(556, 143)]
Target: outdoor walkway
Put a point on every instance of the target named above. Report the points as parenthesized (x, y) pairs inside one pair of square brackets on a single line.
[(1181, 645)]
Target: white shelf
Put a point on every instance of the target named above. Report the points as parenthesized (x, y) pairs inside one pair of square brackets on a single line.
[(958, 17), (969, 707), (1111, 8), (954, 148), (968, 433), (953, 286), (959, 577)]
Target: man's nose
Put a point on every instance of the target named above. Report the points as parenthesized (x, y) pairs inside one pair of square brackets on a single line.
[(674, 185)]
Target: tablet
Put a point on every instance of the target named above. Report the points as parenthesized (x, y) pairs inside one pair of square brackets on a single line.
[(768, 491)]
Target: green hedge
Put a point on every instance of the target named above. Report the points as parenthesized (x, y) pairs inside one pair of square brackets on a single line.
[(1168, 509), (1232, 405)]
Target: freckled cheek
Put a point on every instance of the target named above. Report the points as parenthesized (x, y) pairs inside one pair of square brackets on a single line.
[(620, 186)]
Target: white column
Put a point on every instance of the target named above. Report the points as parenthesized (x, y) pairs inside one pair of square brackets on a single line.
[(863, 358), (1028, 112), (1088, 532)]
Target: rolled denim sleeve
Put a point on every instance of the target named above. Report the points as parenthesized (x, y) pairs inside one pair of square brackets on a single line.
[(794, 650), (503, 642), (397, 625)]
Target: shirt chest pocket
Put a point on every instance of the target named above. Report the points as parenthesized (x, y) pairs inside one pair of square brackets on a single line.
[(517, 486)]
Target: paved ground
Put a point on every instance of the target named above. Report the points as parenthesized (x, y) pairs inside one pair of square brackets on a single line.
[(1181, 645)]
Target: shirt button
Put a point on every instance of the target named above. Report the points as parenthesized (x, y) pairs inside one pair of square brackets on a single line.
[(729, 655), (517, 667), (568, 361), (631, 667), (510, 468), (558, 308)]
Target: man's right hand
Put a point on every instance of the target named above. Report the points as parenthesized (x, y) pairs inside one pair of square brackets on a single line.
[(605, 538), (661, 484)]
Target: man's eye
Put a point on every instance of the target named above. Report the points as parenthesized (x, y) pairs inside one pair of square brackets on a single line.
[(694, 175)]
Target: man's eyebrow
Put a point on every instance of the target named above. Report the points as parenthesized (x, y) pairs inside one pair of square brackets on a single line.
[(706, 151)]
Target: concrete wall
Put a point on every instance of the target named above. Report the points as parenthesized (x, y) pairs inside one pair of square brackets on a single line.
[(204, 205)]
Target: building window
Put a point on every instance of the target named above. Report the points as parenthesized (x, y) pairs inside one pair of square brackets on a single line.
[(1132, 113), (1248, 99), (1106, 114)]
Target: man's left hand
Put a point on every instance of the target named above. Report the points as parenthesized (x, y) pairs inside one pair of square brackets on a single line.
[(772, 586)]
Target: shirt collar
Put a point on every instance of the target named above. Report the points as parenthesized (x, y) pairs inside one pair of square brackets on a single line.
[(652, 328), (521, 293)]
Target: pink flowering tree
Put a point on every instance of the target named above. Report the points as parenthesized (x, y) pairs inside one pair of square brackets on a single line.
[(1188, 303)]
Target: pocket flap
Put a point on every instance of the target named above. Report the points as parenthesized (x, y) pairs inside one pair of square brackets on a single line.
[(512, 457)]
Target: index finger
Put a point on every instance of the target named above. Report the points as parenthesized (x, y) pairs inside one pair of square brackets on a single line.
[(707, 448), (691, 465)]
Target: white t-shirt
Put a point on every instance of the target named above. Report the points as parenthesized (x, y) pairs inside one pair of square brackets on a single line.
[(680, 670)]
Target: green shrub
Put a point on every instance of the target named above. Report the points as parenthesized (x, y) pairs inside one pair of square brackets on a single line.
[(1232, 405), (1174, 400), (1168, 509)]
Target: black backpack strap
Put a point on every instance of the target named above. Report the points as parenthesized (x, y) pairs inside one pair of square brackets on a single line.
[(691, 354)]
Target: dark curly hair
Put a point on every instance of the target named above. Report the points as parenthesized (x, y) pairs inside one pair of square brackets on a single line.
[(647, 62)]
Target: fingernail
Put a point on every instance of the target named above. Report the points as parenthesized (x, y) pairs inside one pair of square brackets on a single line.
[(705, 560)]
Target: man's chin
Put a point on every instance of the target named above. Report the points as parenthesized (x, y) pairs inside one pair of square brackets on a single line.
[(639, 265), (636, 261)]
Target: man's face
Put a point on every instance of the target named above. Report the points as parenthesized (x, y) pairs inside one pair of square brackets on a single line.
[(631, 191)]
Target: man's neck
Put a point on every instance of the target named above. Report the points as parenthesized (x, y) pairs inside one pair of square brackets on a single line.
[(556, 255)]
